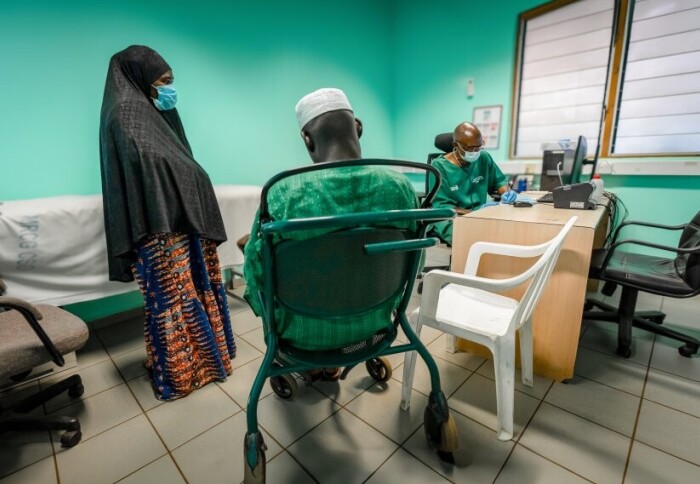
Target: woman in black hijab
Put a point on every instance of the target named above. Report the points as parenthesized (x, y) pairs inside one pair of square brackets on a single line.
[(163, 224)]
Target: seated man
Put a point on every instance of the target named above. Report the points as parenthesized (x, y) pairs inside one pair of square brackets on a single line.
[(331, 133), (469, 174)]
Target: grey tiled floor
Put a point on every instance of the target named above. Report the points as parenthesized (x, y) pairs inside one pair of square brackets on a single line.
[(635, 420)]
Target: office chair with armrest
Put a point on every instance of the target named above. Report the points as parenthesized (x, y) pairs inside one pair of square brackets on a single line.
[(332, 269), (471, 307), (678, 278), (24, 344), (443, 142)]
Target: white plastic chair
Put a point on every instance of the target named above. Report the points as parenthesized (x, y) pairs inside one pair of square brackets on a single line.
[(469, 307)]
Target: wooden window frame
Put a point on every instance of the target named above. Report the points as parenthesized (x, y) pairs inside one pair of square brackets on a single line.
[(622, 22)]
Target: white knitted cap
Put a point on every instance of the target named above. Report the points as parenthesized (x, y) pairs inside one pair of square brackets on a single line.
[(321, 101)]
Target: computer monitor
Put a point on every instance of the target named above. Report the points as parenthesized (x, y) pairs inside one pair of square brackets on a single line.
[(577, 164)]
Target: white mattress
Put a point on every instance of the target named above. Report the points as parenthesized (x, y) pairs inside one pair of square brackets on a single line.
[(53, 250)]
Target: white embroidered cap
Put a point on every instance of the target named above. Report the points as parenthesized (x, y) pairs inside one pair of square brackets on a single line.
[(319, 102)]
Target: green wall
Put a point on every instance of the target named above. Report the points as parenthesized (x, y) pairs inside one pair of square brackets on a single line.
[(240, 67), (434, 53)]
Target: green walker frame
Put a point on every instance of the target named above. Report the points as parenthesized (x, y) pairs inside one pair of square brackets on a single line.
[(374, 241)]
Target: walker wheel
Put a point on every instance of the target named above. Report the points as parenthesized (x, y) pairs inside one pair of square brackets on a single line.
[(284, 386), (379, 369)]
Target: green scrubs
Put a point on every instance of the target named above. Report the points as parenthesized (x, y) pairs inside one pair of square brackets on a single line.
[(318, 193), (465, 187)]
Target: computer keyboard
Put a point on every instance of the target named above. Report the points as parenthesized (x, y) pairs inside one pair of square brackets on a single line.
[(546, 198)]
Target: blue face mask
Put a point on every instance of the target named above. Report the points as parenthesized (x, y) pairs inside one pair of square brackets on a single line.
[(471, 156), (167, 97)]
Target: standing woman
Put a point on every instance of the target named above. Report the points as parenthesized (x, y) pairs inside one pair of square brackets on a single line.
[(163, 224)]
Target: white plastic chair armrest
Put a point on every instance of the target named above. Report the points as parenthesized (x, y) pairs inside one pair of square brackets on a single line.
[(480, 248)]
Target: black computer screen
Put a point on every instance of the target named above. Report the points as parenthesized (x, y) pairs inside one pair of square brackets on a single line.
[(577, 165)]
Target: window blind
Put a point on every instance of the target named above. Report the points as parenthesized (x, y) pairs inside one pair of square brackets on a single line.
[(563, 70), (659, 109)]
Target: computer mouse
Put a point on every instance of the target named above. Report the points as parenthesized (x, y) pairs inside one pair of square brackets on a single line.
[(522, 203)]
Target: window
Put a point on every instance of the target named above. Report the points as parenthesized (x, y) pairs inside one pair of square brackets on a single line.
[(639, 58), (659, 109)]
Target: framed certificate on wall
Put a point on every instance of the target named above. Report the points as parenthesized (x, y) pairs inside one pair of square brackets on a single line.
[(488, 120)]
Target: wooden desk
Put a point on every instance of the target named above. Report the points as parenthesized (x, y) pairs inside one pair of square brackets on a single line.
[(557, 318)]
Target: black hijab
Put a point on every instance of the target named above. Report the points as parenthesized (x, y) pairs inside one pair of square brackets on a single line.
[(150, 181)]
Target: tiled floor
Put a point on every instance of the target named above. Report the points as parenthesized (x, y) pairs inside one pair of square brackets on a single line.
[(635, 420)]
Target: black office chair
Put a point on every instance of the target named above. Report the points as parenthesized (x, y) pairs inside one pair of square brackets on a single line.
[(678, 278), (443, 142), (25, 343)]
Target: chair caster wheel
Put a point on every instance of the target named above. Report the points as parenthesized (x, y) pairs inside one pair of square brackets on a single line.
[(688, 350), (446, 457), (587, 306), (624, 351), (76, 391), (71, 438)]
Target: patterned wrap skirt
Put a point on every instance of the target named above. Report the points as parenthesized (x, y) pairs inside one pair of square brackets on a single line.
[(189, 340)]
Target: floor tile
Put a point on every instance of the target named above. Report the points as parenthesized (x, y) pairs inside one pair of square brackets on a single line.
[(287, 420), (598, 403), (181, 420), (238, 385), (525, 466), (585, 448), (606, 342), (344, 391), (131, 364), (403, 468), (667, 358), (245, 353), (479, 456), (102, 411), (451, 376), (245, 321), (650, 466), (43, 472), (460, 358), (111, 455), (92, 352), (673, 391), (217, 454), (142, 389), (682, 312), (611, 370), (23, 448), (256, 338), (342, 449), (539, 388), (477, 400), (380, 406), (122, 337), (96, 379), (162, 470), (670, 431), (283, 469)]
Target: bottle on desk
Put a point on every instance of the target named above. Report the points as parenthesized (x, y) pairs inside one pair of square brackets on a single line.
[(597, 182)]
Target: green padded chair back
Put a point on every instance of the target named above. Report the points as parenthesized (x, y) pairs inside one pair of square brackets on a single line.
[(331, 276)]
